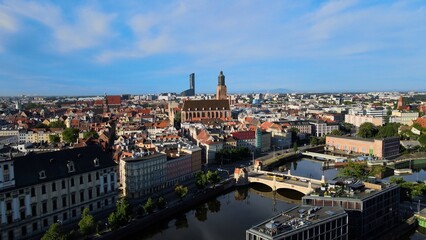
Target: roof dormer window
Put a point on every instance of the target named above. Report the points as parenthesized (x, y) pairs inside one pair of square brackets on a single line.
[(42, 174), (70, 166), (96, 162)]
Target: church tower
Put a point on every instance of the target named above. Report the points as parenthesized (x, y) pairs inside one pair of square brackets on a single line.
[(221, 88)]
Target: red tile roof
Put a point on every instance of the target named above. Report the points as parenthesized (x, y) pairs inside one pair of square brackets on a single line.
[(244, 135), (113, 100)]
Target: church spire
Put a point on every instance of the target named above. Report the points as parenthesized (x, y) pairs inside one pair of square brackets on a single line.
[(221, 79), (221, 93)]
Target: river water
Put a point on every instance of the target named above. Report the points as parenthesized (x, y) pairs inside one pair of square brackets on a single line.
[(228, 216)]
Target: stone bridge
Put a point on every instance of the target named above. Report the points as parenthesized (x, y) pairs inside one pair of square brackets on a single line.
[(284, 181), (321, 156)]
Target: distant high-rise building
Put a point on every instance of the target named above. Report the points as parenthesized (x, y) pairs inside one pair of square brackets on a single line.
[(191, 90), (221, 87), (192, 81)]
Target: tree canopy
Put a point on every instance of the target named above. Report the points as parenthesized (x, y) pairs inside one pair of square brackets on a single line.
[(367, 130), (181, 191), (70, 135), (54, 138), (87, 223), (54, 233), (57, 124)]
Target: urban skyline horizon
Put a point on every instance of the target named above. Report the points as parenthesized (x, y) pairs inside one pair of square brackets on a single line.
[(146, 47)]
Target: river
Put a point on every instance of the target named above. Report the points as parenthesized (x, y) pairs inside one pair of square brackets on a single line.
[(229, 215)]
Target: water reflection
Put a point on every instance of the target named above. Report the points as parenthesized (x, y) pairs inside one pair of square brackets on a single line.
[(213, 205), (181, 221), (201, 212)]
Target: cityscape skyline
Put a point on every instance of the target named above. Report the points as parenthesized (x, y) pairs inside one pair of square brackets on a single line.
[(97, 47)]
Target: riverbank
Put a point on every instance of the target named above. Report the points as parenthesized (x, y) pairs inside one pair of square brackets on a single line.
[(137, 225)]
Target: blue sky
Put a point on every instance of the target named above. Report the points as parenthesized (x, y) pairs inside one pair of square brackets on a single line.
[(94, 47)]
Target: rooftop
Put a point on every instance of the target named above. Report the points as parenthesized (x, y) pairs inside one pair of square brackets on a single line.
[(294, 219)]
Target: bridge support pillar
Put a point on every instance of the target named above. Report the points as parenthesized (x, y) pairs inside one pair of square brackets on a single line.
[(323, 179)]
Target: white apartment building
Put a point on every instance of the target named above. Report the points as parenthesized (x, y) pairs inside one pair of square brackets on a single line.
[(405, 118), (357, 120)]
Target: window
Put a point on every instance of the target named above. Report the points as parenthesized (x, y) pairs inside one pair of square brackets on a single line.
[(44, 207), (72, 182), (42, 174), (55, 219), (98, 204), (91, 207), (81, 180), (97, 175), (22, 215), (106, 202), (89, 177), (35, 226), (70, 166), (34, 210), (53, 187), (73, 198), (32, 192), (74, 213), (90, 193), (64, 201), (63, 184), (64, 216), (24, 230), (96, 162), (98, 191), (45, 222), (81, 196), (21, 202), (8, 206), (55, 204), (43, 189)]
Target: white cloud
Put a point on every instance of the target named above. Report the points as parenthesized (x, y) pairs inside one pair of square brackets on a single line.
[(90, 27)]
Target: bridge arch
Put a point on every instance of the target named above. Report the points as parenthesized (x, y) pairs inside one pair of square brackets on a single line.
[(258, 186)]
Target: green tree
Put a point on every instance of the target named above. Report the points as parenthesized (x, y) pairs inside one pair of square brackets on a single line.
[(54, 233), (57, 124), (295, 148), (149, 206), (367, 130), (388, 130), (181, 191), (213, 177), (91, 133), (54, 138), (124, 211), (113, 221), (87, 223), (200, 180), (336, 132), (70, 135), (313, 141), (161, 202), (422, 140), (40, 125), (354, 170)]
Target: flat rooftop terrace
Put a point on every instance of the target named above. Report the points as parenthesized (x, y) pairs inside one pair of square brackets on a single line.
[(294, 219)]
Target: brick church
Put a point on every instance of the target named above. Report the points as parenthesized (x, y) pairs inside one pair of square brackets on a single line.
[(197, 110)]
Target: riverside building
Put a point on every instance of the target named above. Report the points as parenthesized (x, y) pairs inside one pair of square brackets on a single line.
[(37, 190)]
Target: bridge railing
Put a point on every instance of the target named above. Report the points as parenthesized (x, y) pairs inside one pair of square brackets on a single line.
[(293, 177)]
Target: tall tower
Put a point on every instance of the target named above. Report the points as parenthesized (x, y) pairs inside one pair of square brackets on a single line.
[(221, 87), (400, 103), (192, 81)]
